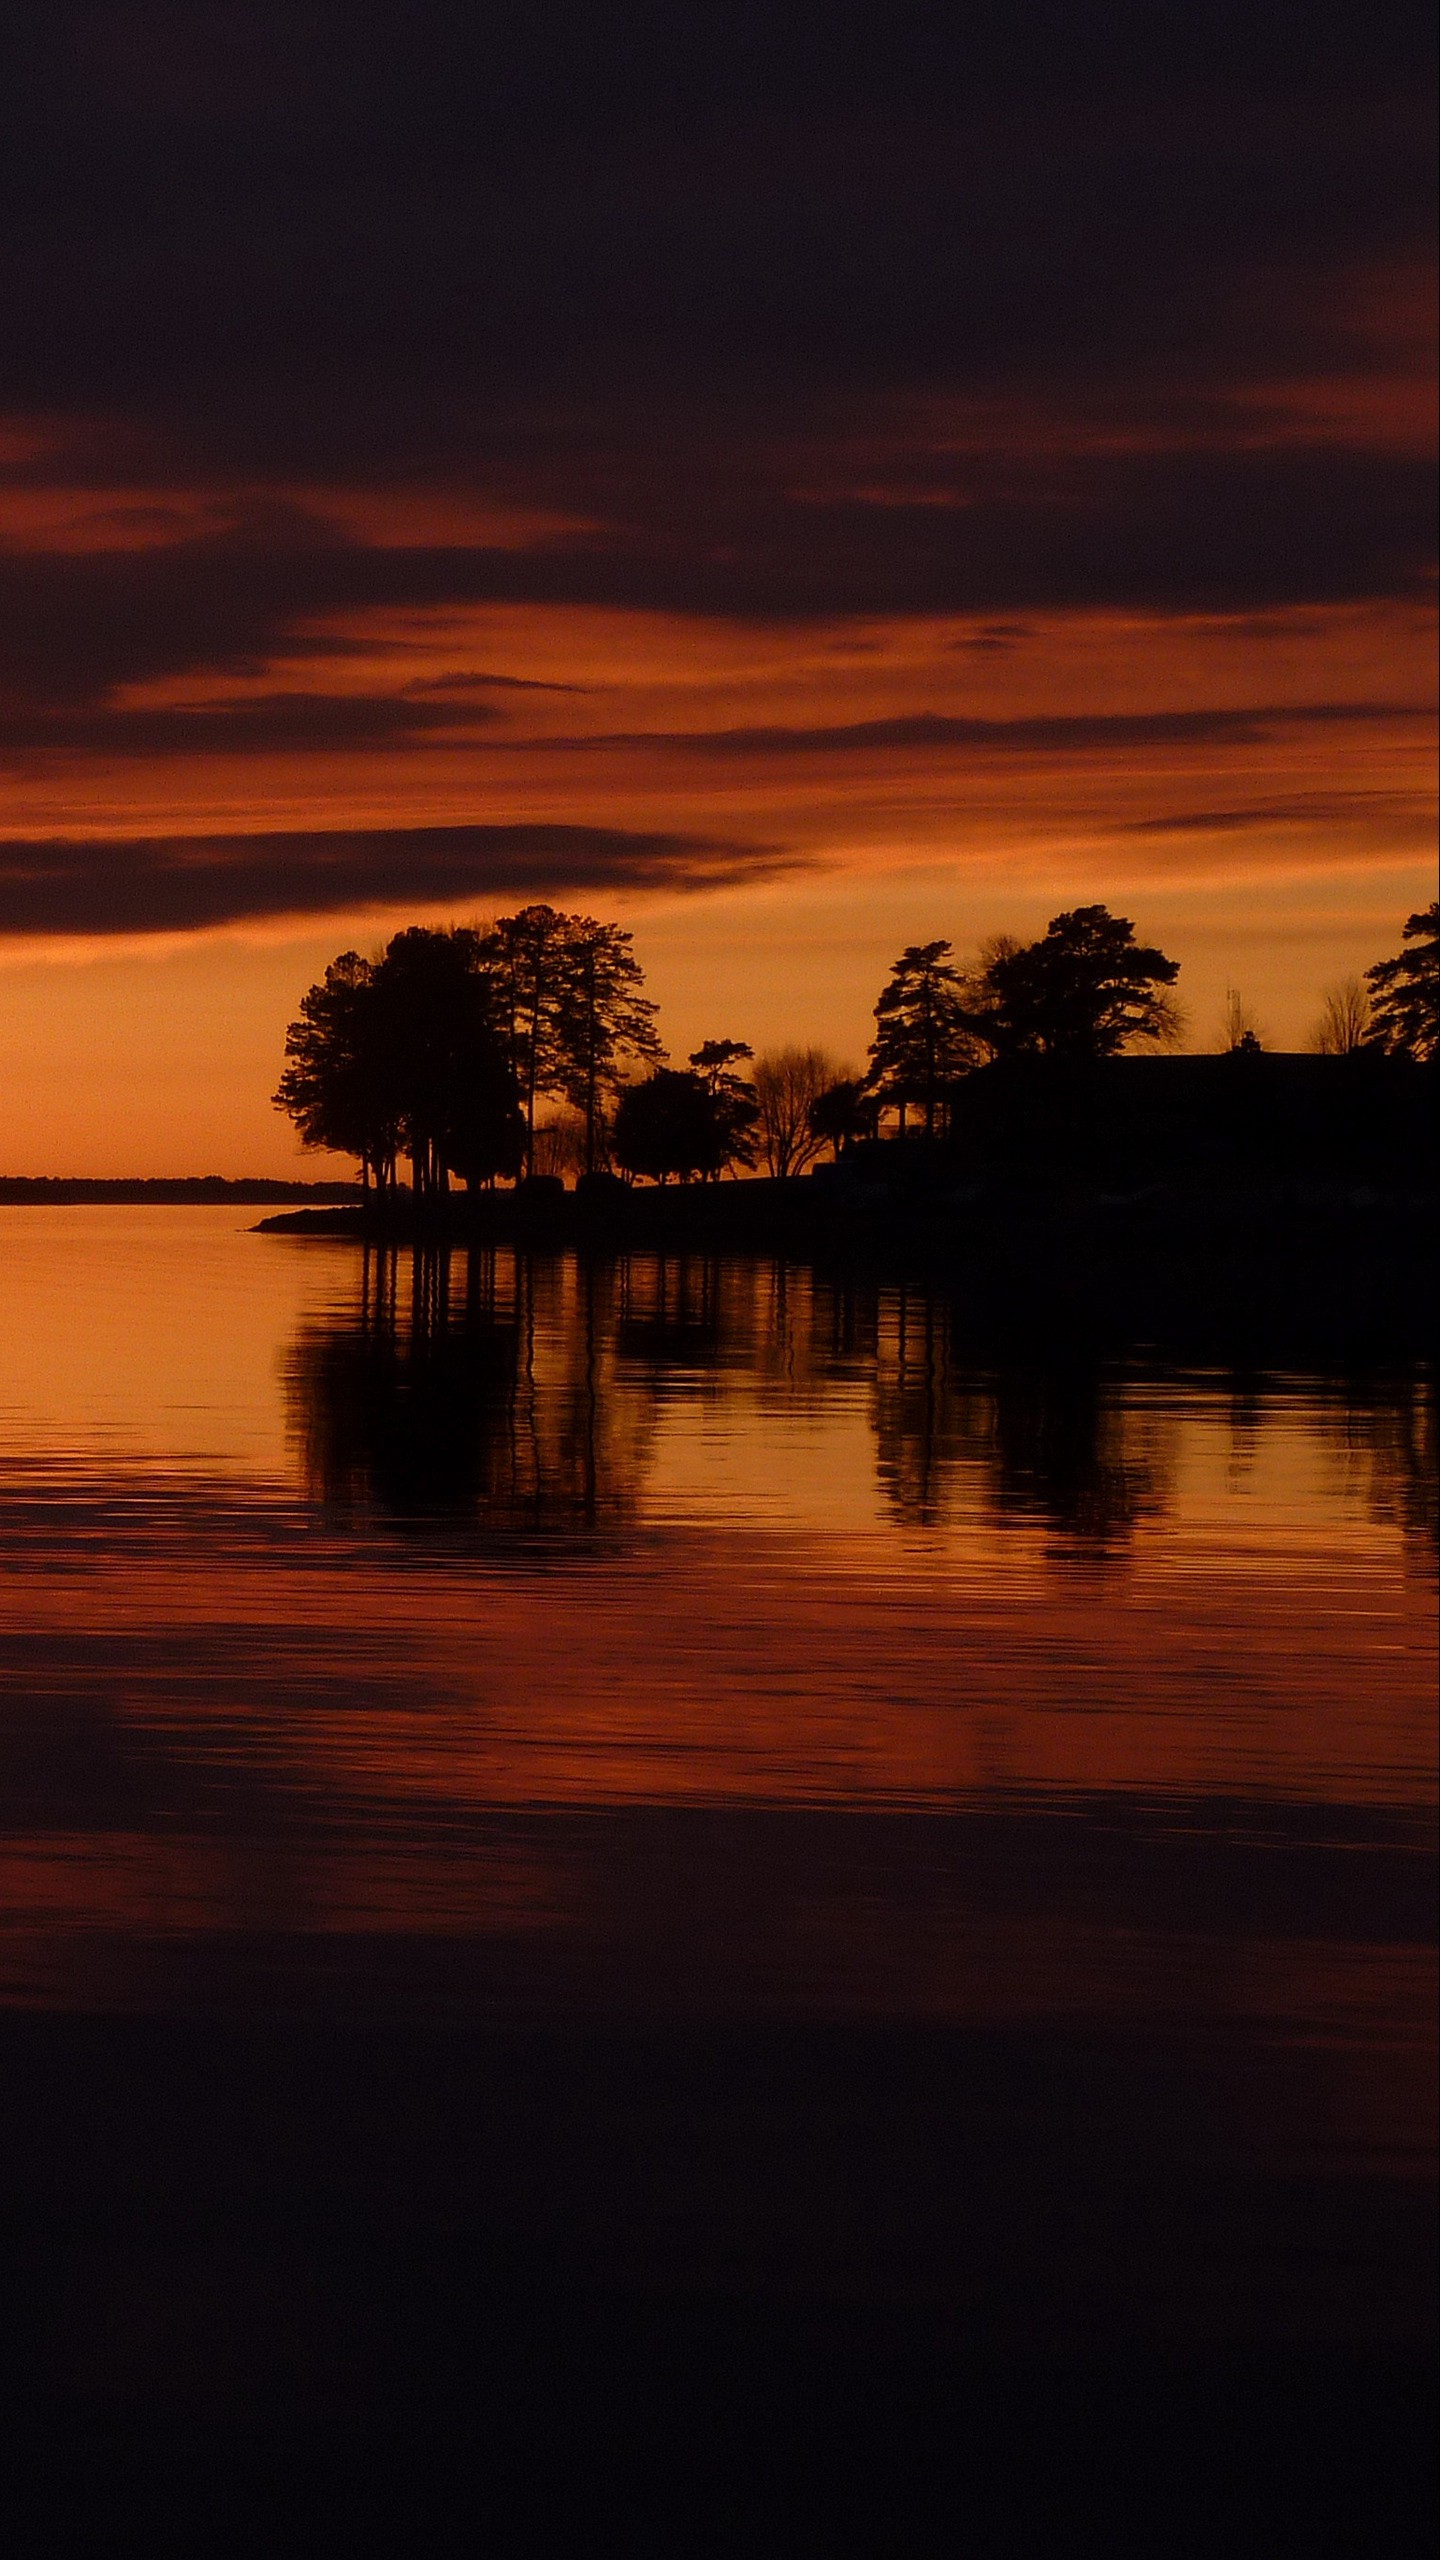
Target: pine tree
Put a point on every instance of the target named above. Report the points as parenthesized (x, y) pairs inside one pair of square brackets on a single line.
[(605, 1024), (923, 1040), (1085, 990), (1405, 992), (525, 958), (734, 1108)]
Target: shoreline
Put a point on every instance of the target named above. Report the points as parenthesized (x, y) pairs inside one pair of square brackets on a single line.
[(168, 1191), (767, 1216), (1337, 1270)]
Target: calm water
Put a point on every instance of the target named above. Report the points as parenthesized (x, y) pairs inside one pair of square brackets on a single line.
[(485, 1640)]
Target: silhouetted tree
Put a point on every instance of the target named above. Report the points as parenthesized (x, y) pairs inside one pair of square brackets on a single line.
[(559, 1146), (1344, 1023), (717, 1060), (736, 1110), (566, 991), (334, 1084), (603, 1021), (924, 1040), (1085, 990), (480, 1134), (785, 1084), (404, 1052), (844, 1113), (1405, 992), (445, 1061), (671, 1124), (526, 959)]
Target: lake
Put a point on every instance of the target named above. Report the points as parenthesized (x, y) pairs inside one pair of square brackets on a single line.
[(753, 1800)]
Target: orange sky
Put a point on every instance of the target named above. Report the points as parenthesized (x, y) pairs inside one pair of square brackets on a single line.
[(854, 499), (1274, 858)]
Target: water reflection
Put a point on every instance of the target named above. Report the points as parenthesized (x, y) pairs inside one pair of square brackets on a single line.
[(470, 1387), (1383, 1442), (514, 1395), (1060, 1444), (893, 1823), (568, 1569), (678, 1315)]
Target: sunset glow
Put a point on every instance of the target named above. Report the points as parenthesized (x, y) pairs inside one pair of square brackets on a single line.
[(719, 1018), (781, 661)]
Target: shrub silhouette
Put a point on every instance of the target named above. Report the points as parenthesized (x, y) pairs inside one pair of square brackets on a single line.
[(671, 1125)]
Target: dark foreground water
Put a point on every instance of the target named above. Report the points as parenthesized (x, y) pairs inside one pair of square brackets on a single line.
[(677, 1903)]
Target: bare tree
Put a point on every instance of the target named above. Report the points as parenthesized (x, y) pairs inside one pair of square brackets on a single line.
[(1344, 1022), (786, 1083), (560, 1144)]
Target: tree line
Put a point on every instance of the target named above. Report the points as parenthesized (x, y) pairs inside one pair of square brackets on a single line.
[(446, 1049)]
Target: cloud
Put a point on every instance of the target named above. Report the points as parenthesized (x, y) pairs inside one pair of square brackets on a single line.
[(665, 269), (755, 315), (402, 215), (1404, 816), (298, 723), (466, 680), (251, 725), (1219, 533), (1059, 733), (171, 884)]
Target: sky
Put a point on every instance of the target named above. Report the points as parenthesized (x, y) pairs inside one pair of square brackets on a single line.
[(794, 480)]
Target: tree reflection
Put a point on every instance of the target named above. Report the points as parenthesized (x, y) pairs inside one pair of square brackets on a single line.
[(1382, 1434), (523, 1395), (471, 1387), (676, 1312), (1071, 1447), (1061, 1443)]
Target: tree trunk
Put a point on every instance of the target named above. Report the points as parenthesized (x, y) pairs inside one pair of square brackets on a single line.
[(531, 1071), (590, 1113)]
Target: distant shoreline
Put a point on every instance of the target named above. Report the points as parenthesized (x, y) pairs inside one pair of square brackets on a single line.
[(63, 1191)]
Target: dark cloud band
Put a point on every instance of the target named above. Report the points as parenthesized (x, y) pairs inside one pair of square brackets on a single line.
[(878, 310), (300, 723), (709, 532), (1053, 733), (173, 884)]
